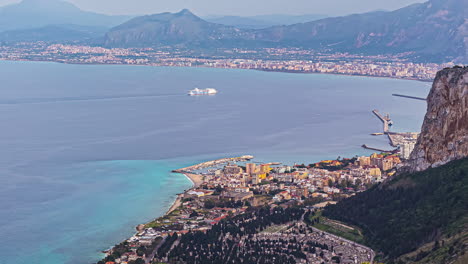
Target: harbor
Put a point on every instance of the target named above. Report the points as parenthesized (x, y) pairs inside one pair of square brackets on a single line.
[(402, 142)]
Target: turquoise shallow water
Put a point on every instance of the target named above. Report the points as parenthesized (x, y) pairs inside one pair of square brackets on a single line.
[(86, 151), (109, 199)]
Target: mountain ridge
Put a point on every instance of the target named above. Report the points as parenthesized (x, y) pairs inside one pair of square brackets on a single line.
[(424, 28), (262, 21), (432, 31)]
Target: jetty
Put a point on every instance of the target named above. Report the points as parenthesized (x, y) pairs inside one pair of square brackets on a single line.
[(213, 163), (380, 150), (387, 122), (410, 97)]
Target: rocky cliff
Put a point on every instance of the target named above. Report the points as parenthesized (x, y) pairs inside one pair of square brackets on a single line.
[(444, 134)]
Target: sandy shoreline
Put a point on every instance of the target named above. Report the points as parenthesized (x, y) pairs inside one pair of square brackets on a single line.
[(197, 180)]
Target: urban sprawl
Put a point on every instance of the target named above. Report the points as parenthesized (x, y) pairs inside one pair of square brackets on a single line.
[(266, 59), (242, 212)]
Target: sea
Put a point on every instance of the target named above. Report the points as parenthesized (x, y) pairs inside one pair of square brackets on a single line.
[(86, 151)]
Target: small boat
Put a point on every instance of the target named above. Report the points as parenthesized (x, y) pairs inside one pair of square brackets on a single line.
[(207, 91)]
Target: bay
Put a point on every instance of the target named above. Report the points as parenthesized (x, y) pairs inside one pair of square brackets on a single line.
[(86, 150)]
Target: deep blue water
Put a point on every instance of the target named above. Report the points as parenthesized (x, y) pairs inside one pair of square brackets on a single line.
[(86, 151)]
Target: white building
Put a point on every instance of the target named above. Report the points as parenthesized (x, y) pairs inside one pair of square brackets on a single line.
[(406, 149)]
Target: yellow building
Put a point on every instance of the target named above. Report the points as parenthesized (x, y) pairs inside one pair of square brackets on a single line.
[(375, 172), (259, 176)]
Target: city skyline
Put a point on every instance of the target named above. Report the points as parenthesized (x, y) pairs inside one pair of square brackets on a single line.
[(237, 8)]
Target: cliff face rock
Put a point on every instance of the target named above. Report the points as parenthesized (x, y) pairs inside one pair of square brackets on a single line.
[(444, 134)]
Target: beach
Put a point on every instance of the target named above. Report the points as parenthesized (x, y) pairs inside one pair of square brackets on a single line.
[(197, 180)]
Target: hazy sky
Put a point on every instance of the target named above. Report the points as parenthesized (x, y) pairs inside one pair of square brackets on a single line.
[(238, 7)]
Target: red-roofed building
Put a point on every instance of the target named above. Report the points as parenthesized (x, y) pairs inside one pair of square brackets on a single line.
[(217, 219)]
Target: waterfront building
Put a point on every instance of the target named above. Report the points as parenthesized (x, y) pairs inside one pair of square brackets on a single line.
[(250, 168), (364, 161)]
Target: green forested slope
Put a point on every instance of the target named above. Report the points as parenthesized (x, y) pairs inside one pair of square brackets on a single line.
[(412, 210)]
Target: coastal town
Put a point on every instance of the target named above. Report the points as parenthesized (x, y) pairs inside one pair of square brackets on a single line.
[(292, 60), (231, 189), (265, 212)]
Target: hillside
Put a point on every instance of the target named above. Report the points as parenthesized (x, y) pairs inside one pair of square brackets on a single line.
[(169, 29), (421, 215), (435, 30), (53, 33), (411, 210)]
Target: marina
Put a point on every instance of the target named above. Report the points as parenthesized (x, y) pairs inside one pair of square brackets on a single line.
[(402, 142), (213, 163)]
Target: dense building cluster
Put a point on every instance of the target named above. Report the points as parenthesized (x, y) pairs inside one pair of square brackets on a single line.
[(267, 59), (241, 206)]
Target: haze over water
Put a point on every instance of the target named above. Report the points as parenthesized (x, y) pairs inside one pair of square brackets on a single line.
[(86, 151)]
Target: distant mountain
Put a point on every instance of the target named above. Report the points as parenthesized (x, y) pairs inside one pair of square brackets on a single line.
[(437, 30), (262, 21), (433, 31), (168, 28), (30, 14), (54, 33)]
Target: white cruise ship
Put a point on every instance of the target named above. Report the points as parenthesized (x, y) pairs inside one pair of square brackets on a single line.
[(207, 91)]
